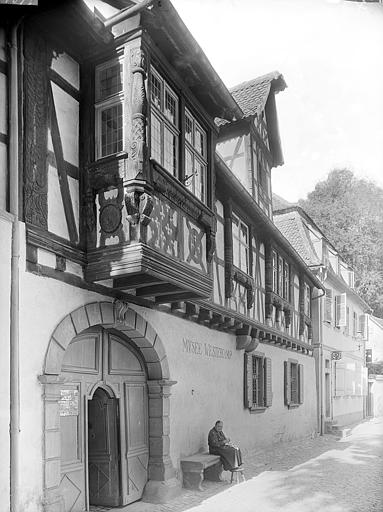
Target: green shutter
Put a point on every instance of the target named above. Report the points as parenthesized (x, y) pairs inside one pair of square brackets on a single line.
[(300, 383), (268, 394), (287, 383), (248, 384)]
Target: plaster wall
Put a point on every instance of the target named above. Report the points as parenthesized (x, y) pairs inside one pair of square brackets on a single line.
[(210, 388), (347, 410), (44, 303), (5, 287), (375, 340), (377, 394)]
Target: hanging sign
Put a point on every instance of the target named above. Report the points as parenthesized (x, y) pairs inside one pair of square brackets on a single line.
[(336, 356), (68, 403)]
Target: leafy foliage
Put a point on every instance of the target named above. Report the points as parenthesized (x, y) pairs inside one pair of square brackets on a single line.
[(349, 211)]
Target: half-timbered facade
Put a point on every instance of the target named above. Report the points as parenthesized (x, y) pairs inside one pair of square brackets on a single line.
[(340, 322), (150, 292)]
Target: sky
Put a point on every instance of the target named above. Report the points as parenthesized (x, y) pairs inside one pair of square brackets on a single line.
[(330, 53)]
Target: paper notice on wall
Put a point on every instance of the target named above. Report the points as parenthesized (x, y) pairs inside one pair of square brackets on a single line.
[(68, 403)]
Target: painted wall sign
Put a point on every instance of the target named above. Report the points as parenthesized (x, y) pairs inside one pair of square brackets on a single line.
[(205, 349), (68, 404)]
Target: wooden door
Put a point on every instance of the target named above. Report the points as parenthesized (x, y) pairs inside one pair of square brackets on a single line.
[(103, 450), (126, 367)]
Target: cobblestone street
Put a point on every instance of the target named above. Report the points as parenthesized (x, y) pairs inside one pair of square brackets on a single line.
[(313, 475)]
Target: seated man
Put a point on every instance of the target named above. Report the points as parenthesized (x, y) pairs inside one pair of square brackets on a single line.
[(219, 444)]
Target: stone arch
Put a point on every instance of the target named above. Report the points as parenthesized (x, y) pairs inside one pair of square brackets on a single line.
[(162, 483), (118, 316)]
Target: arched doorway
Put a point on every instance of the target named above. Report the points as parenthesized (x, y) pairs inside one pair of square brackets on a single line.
[(104, 396), (103, 450), (64, 488)]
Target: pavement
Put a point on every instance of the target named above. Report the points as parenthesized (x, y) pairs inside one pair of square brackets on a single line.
[(324, 473)]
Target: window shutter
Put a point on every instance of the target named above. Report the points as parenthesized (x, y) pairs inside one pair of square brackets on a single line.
[(328, 306), (287, 383), (268, 396), (340, 304), (248, 394), (300, 383), (363, 326)]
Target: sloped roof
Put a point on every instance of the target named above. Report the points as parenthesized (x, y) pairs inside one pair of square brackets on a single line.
[(291, 225), (377, 320), (251, 96), (279, 203)]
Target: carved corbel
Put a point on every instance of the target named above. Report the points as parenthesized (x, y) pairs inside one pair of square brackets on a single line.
[(252, 345), (242, 341), (139, 206), (120, 308)]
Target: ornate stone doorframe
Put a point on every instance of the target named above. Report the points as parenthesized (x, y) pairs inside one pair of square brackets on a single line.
[(162, 483)]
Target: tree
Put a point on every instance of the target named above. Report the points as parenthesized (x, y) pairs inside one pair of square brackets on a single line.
[(349, 211)]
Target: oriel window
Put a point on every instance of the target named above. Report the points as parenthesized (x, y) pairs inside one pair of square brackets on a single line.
[(164, 123)]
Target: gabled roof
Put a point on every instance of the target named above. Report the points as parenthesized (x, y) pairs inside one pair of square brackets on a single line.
[(252, 96), (291, 225)]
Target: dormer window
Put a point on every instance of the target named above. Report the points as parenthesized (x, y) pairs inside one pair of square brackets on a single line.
[(109, 108), (164, 123)]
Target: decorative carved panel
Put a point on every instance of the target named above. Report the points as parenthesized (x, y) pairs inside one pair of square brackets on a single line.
[(35, 130)]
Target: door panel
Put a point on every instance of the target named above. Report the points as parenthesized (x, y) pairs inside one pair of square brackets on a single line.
[(137, 449), (103, 459)]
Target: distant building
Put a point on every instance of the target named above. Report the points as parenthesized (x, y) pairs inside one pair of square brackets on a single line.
[(339, 318)]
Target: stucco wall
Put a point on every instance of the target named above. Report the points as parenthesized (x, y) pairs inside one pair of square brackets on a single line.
[(210, 388), (44, 303), (5, 273)]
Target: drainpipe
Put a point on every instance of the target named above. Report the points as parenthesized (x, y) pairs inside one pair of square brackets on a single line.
[(14, 423), (320, 361)]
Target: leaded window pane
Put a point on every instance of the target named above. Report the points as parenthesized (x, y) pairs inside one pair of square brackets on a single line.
[(200, 141), (170, 108), (189, 129), (170, 151), (111, 130), (110, 80), (156, 138), (156, 91)]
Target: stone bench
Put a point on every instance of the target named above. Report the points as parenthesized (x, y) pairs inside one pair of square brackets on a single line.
[(199, 466)]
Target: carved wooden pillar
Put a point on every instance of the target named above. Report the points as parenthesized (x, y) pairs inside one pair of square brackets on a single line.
[(162, 483), (53, 500), (36, 130), (138, 152)]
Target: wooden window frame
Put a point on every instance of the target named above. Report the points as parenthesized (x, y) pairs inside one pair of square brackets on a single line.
[(103, 103), (236, 221), (258, 385), (197, 156), (281, 276), (294, 394)]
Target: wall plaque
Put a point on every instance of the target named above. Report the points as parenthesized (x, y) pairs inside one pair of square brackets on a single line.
[(68, 403)]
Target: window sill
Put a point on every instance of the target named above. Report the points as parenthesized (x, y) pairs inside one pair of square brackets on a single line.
[(258, 410), (293, 406)]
